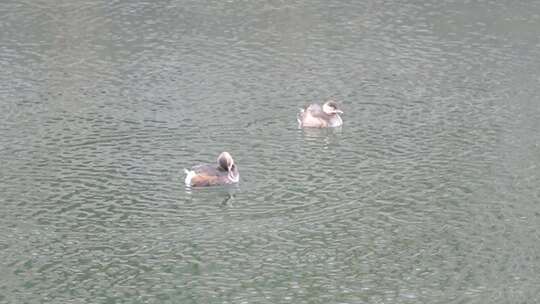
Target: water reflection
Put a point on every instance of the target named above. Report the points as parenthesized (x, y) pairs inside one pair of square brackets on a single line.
[(226, 193), (327, 136)]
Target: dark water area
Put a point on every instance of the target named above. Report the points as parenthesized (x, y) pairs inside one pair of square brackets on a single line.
[(429, 193)]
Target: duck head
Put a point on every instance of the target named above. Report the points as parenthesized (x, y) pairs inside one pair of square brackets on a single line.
[(330, 107), (225, 161)]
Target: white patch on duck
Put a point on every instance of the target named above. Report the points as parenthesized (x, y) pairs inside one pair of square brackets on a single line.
[(189, 176)]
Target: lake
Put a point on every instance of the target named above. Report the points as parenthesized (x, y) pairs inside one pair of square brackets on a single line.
[(429, 193)]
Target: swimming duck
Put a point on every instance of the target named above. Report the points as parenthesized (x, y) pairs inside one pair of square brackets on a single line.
[(225, 172), (315, 116)]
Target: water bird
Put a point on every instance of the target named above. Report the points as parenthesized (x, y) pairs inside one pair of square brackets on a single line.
[(223, 173), (317, 116)]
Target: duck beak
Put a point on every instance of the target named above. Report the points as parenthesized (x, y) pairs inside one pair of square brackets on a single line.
[(339, 111)]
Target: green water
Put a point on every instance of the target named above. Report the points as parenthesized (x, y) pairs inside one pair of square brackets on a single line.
[(429, 193)]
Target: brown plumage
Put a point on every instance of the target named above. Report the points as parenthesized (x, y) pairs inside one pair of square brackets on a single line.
[(224, 172)]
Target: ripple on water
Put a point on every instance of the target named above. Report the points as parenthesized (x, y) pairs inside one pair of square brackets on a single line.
[(427, 192)]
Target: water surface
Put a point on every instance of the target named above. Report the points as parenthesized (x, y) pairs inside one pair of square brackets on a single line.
[(429, 193)]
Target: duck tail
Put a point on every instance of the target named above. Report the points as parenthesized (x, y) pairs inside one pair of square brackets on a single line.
[(189, 176), (299, 117)]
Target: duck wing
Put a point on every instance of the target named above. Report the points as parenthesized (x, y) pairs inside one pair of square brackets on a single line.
[(314, 108), (307, 113), (316, 111), (205, 175), (208, 170)]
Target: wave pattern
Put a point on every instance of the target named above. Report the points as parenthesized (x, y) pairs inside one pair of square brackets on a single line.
[(428, 193)]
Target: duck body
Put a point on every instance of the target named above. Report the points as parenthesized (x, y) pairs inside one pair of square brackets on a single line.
[(317, 116), (223, 173)]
